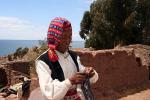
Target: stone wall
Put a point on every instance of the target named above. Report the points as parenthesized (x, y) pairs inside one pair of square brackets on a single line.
[(117, 68), (15, 69)]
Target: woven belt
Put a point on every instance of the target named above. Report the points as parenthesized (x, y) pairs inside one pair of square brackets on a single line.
[(72, 95)]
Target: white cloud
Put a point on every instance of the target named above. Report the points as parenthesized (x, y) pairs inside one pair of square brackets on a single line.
[(14, 24), (16, 28), (89, 1)]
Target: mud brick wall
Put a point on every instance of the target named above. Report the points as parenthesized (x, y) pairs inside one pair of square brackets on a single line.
[(16, 69), (116, 68), (19, 66)]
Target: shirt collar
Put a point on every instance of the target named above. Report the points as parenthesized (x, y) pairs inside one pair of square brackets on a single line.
[(64, 55)]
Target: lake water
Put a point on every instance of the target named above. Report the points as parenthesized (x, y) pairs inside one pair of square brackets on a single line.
[(10, 46)]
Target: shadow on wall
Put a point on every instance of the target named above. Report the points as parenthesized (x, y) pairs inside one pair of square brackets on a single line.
[(3, 78)]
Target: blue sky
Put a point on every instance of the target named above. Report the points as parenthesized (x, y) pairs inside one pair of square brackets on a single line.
[(29, 19)]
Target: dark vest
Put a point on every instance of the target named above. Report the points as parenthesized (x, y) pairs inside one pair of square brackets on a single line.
[(57, 72)]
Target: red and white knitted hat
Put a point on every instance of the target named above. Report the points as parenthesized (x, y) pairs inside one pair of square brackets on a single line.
[(56, 28)]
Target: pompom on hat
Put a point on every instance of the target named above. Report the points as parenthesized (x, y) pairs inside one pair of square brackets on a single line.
[(56, 28)]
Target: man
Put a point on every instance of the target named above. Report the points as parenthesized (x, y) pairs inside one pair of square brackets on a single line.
[(59, 69)]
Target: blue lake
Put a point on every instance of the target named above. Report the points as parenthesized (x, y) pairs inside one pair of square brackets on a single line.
[(10, 46)]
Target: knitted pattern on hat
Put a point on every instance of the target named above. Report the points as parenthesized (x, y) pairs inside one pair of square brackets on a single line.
[(55, 31)]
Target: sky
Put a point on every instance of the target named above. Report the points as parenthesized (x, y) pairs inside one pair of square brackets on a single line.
[(29, 19)]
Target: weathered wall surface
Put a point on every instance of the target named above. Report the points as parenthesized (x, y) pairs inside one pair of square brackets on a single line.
[(116, 68), (15, 69)]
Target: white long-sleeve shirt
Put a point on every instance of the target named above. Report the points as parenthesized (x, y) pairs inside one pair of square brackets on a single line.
[(54, 89)]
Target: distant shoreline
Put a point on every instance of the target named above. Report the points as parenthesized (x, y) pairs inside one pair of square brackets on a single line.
[(10, 46)]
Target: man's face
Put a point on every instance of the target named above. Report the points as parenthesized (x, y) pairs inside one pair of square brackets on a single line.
[(65, 41)]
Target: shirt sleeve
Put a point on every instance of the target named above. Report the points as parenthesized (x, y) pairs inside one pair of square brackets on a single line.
[(82, 69), (51, 89)]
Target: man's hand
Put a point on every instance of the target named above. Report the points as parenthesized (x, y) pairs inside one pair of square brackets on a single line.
[(78, 78), (89, 71)]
